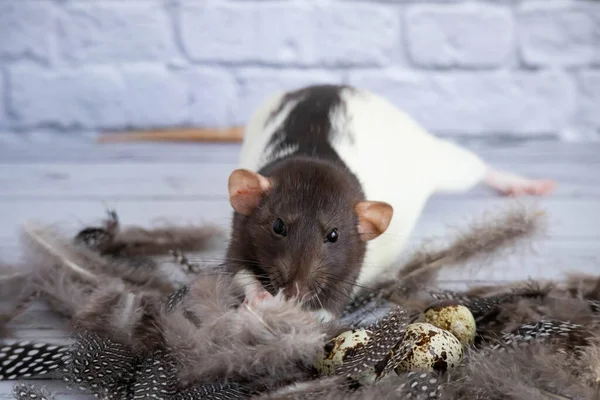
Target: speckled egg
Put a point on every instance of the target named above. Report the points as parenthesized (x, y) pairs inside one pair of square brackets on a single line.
[(434, 349), (338, 349), (454, 318)]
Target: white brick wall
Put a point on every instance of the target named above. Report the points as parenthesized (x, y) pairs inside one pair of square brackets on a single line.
[(461, 67), (454, 35)]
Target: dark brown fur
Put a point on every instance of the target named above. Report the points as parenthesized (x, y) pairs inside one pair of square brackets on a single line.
[(313, 192), (303, 257)]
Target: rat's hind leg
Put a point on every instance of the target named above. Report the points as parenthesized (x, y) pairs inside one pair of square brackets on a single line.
[(510, 184), (459, 170)]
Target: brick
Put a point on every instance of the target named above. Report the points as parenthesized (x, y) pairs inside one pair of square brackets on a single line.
[(256, 85), (486, 102), (3, 105), (559, 33), (113, 32), (90, 97), (154, 97), (27, 29), (588, 111), (289, 33), (97, 97), (244, 32), (212, 96), (463, 35), (356, 34)]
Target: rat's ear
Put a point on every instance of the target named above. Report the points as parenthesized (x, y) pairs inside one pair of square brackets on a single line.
[(373, 218), (246, 189)]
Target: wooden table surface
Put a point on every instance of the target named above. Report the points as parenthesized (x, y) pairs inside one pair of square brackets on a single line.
[(73, 184)]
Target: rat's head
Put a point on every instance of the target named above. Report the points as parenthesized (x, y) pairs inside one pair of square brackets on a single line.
[(306, 226)]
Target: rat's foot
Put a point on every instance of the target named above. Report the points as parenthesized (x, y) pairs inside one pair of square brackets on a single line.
[(515, 185)]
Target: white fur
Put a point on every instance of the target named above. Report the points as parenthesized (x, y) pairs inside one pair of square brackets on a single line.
[(395, 159), (248, 283), (255, 150)]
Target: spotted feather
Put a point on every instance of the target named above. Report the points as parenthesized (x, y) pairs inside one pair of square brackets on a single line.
[(421, 386), (364, 309), (99, 238), (542, 331), (367, 300), (100, 366), (213, 392), (594, 305), (28, 359), (156, 378), (175, 298), (480, 307), (360, 301), (386, 335), (185, 262), (27, 391)]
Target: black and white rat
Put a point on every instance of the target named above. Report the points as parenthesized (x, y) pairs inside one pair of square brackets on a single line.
[(332, 180)]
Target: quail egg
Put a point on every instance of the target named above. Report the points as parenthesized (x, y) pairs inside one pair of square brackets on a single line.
[(338, 349), (454, 318), (434, 349)]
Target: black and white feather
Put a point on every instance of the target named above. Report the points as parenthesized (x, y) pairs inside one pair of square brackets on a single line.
[(101, 367), (420, 385), (385, 344), (26, 359), (542, 331), (28, 391), (227, 391)]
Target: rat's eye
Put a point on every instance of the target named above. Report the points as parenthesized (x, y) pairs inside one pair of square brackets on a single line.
[(332, 236), (279, 227)]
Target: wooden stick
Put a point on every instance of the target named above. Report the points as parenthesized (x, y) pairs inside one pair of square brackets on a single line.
[(233, 134)]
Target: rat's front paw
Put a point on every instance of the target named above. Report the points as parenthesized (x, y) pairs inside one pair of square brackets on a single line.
[(257, 297)]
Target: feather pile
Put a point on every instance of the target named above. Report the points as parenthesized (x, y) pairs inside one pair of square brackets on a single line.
[(143, 328)]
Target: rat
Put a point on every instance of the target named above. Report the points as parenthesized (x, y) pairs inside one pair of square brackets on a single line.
[(330, 183)]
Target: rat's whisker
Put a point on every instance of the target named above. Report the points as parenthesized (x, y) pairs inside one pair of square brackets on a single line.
[(336, 295), (303, 298), (333, 289), (354, 284), (199, 259), (317, 296), (212, 273)]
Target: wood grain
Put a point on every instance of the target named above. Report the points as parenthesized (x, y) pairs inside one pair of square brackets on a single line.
[(208, 180), (233, 134)]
